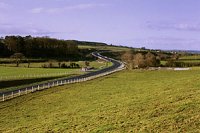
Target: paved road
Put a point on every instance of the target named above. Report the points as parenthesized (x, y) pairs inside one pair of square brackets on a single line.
[(116, 65)]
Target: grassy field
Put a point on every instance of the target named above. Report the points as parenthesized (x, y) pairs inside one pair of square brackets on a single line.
[(54, 63), (10, 72), (11, 78), (137, 101), (111, 48), (192, 57)]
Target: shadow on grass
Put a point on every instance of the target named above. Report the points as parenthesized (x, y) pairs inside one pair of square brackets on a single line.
[(14, 83)]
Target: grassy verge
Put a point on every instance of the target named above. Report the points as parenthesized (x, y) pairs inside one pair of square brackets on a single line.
[(137, 101)]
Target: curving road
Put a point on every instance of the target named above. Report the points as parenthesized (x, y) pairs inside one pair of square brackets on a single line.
[(117, 65)]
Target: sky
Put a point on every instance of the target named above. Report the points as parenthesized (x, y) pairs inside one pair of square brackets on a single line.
[(155, 24)]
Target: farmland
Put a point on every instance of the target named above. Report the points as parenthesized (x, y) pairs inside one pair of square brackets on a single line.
[(12, 77), (8, 73), (106, 47), (128, 101)]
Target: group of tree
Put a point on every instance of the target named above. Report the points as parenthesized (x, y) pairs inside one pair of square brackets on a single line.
[(140, 60), (60, 65), (45, 47), (34, 47)]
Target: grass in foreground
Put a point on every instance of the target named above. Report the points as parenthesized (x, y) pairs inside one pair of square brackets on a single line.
[(138, 101)]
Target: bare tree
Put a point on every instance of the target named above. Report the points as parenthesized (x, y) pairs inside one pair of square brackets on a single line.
[(139, 61), (18, 57), (127, 57), (150, 59)]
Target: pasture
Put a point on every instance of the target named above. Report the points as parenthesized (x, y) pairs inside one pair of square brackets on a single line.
[(111, 48), (190, 57), (9, 72), (128, 101), (12, 78)]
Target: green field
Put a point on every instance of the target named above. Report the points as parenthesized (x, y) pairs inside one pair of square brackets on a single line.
[(128, 101), (191, 57), (54, 63), (14, 73), (9, 72), (111, 48), (12, 78)]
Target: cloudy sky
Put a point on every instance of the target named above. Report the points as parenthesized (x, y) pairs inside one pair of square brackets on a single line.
[(161, 24)]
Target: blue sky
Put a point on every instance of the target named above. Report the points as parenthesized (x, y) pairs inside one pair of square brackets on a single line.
[(160, 24)]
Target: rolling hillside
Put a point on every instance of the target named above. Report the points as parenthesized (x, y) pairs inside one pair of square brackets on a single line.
[(128, 101)]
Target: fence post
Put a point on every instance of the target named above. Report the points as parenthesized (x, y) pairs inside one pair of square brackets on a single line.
[(12, 94), (19, 92), (32, 88), (26, 91), (38, 87), (3, 97), (57, 83)]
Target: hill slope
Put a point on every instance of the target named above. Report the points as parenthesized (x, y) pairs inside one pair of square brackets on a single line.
[(123, 102)]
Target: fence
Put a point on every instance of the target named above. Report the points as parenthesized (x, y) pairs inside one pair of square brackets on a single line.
[(12, 94)]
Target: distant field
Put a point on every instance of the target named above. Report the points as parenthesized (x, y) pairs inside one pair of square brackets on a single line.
[(111, 48), (54, 63), (9, 73), (192, 57), (189, 61), (137, 101), (22, 71), (12, 78)]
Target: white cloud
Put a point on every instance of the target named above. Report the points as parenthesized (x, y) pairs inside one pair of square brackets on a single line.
[(85, 6), (65, 8), (37, 10), (174, 26)]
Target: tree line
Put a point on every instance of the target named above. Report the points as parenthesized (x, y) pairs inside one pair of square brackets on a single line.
[(34, 47), (45, 47)]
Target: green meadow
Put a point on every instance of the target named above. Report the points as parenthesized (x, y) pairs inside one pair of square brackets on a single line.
[(127, 101), (9, 72), (12, 78), (21, 72), (190, 57)]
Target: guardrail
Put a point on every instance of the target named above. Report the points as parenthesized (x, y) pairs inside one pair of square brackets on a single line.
[(23, 91)]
